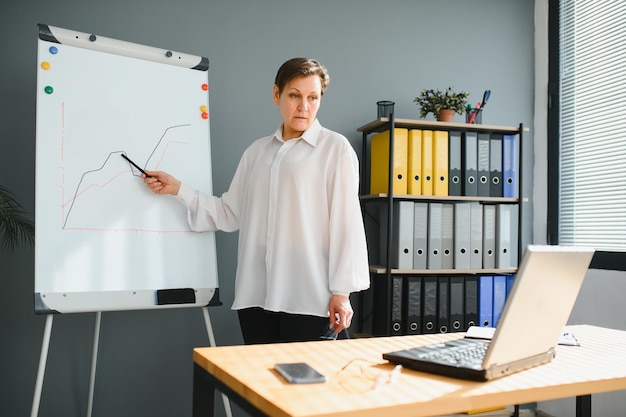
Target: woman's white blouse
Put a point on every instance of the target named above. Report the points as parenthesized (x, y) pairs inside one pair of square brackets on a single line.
[(301, 234)]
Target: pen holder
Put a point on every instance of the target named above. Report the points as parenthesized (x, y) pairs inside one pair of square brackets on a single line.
[(474, 116), (385, 108)]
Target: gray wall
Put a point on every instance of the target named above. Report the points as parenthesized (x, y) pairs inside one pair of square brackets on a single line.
[(373, 49)]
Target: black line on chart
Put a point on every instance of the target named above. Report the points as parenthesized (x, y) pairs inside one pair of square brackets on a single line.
[(83, 176)]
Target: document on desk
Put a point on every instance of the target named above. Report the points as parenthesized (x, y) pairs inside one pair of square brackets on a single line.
[(476, 332)]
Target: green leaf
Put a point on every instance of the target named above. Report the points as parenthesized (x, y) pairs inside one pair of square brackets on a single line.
[(432, 101), (15, 225)]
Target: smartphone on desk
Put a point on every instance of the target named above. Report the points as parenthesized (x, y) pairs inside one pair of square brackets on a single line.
[(299, 373)]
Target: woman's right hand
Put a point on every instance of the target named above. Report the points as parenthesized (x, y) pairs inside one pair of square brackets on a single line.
[(161, 182)]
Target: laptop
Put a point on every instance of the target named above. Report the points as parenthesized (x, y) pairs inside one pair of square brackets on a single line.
[(532, 320)]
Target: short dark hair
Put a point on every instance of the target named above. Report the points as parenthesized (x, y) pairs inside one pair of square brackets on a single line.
[(304, 67)]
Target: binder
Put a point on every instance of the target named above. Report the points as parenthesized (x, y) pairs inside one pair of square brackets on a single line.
[(509, 166), (509, 284), (396, 305), (420, 235), (515, 230), (387, 303), (457, 303), (435, 219), (462, 230), (499, 297), (440, 163), (503, 236), (471, 301), (495, 165), (402, 235), (483, 165), (443, 304), (489, 236), (485, 301), (427, 162), (507, 236), (476, 236), (469, 161), (380, 162), (412, 305), (447, 236), (455, 173), (429, 304), (414, 166)]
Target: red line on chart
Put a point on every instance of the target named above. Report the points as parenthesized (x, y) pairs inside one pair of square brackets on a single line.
[(94, 185)]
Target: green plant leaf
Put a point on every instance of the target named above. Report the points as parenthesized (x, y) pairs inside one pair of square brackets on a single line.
[(15, 226), (432, 101)]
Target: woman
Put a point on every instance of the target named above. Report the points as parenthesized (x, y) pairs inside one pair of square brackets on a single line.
[(294, 200)]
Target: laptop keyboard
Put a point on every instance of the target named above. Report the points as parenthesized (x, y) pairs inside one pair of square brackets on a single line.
[(462, 352)]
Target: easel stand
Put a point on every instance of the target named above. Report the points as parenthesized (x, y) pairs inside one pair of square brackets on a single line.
[(94, 360)]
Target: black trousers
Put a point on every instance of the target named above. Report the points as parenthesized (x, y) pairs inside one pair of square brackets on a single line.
[(262, 326)]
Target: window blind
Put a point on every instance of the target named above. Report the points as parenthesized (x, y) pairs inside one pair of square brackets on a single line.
[(592, 117)]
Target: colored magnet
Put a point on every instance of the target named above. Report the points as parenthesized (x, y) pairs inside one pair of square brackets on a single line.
[(45, 65), (48, 89)]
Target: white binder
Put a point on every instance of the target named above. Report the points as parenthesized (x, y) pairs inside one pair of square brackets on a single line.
[(420, 235), (476, 236), (489, 236), (435, 218), (462, 226), (506, 236), (447, 236), (402, 235)]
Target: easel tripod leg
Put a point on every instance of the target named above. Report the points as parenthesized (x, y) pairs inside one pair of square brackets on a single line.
[(94, 361), (42, 366), (209, 328)]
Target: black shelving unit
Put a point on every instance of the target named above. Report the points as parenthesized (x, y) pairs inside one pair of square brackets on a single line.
[(391, 123)]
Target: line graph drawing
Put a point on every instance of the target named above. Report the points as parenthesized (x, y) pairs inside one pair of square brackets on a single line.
[(110, 172), (105, 241)]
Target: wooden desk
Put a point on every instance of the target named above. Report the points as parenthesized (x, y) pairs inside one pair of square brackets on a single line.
[(246, 375)]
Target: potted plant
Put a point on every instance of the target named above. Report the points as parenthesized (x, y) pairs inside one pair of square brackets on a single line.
[(437, 102), (14, 225)]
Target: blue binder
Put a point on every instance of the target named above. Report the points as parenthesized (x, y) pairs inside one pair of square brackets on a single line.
[(509, 166), (509, 283), (499, 297), (485, 301)]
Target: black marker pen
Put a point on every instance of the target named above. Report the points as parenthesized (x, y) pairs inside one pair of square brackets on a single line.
[(136, 166)]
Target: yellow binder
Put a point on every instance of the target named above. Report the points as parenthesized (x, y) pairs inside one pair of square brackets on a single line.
[(380, 159), (427, 162), (414, 183), (440, 163)]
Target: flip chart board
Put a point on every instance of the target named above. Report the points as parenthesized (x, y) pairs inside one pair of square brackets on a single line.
[(104, 241)]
